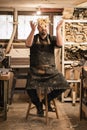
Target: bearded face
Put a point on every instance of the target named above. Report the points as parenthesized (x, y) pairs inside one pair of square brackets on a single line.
[(43, 30), (43, 26)]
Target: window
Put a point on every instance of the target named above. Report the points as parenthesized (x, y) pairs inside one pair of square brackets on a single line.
[(56, 19), (24, 25), (6, 26)]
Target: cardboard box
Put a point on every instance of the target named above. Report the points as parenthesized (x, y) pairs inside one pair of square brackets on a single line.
[(72, 73), (77, 72), (69, 73)]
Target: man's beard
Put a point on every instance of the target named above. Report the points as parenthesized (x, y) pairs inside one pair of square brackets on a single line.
[(43, 33)]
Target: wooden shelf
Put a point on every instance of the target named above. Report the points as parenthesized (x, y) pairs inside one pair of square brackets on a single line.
[(74, 81), (74, 21), (70, 62)]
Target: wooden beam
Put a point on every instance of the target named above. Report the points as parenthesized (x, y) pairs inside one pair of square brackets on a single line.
[(51, 10)]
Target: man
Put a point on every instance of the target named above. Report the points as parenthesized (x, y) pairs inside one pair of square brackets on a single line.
[(43, 72)]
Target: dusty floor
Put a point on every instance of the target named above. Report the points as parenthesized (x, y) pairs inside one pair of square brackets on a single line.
[(68, 117)]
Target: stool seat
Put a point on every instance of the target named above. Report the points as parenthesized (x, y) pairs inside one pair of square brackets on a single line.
[(46, 107)]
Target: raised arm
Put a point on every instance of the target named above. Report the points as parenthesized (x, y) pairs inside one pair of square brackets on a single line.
[(30, 38), (58, 34)]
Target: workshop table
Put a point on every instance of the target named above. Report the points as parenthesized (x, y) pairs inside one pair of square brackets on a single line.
[(4, 78)]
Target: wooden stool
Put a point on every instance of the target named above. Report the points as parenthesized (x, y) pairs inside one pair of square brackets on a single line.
[(46, 107)]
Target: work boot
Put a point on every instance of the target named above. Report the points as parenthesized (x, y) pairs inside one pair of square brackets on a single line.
[(49, 105), (50, 108), (40, 111), (53, 94)]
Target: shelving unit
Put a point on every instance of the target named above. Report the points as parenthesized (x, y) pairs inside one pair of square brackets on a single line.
[(74, 36)]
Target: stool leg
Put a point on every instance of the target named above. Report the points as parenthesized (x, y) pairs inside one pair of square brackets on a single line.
[(28, 111), (46, 101), (54, 102)]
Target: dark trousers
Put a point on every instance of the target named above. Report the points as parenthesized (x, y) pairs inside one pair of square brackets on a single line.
[(35, 99)]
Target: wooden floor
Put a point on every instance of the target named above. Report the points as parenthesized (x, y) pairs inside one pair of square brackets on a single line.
[(68, 117)]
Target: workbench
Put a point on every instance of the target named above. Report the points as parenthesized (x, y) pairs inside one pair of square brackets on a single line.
[(4, 87)]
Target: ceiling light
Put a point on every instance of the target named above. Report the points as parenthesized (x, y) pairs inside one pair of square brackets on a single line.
[(38, 12)]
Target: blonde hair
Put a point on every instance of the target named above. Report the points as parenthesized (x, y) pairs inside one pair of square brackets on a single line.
[(43, 22)]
